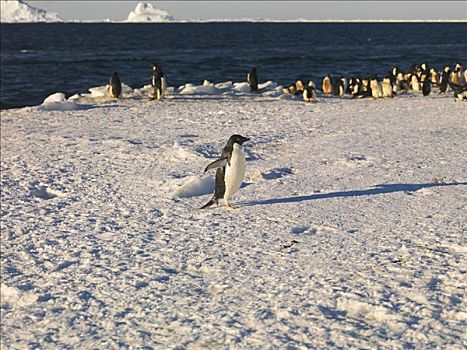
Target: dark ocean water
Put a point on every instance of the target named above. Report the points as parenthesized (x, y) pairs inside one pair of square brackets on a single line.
[(40, 59)]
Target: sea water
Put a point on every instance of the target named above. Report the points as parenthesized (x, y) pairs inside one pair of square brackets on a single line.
[(40, 59)]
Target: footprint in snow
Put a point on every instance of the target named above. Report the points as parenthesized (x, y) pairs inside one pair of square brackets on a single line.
[(277, 173), (43, 192)]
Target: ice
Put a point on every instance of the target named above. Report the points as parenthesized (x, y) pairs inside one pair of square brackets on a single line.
[(195, 186), (146, 12), (18, 11), (58, 102)]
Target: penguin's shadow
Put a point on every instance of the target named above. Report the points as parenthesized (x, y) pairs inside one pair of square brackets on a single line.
[(378, 189)]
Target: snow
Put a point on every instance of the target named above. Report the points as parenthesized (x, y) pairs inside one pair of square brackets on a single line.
[(17, 11), (145, 12), (349, 231)]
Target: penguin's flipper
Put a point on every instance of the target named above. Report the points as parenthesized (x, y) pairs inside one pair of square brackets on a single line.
[(217, 164)]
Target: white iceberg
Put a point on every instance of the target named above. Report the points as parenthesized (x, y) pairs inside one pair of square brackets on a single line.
[(17, 11), (145, 12)]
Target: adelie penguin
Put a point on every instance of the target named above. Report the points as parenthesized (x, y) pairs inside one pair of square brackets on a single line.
[(252, 80), (338, 87), (115, 85), (158, 82), (327, 85), (309, 94), (230, 170), (444, 80), (426, 87)]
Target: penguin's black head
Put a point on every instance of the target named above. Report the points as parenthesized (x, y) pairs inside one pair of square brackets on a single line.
[(237, 139), (115, 74)]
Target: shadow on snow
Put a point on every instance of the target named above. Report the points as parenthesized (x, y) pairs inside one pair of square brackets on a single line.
[(378, 189)]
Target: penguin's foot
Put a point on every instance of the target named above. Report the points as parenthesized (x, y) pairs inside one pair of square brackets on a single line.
[(230, 206)]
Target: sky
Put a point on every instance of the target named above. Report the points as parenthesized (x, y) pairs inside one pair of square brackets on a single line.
[(184, 10)]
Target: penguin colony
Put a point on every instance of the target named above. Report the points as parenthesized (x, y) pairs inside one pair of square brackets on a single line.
[(418, 78)]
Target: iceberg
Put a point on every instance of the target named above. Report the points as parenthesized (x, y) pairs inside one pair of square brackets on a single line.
[(18, 11), (145, 12)]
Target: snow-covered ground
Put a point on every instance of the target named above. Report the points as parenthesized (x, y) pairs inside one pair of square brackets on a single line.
[(18, 11), (350, 231)]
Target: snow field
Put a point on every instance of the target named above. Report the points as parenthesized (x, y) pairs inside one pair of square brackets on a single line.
[(350, 230)]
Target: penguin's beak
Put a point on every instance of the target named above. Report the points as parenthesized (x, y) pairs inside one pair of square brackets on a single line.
[(245, 139)]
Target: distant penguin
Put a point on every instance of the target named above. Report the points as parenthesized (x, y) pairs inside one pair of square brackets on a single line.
[(402, 83), (299, 87), (327, 85), (376, 90), (460, 95), (158, 82), (289, 89), (352, 82), (426, 87), (387, 87), (230, 170), (457, 74), (252, 80), (434, 77), (115, 85), (355, 85), (415, 82), (309, 94), (345, 84), (364, 89), (395, 71), (444, 80), (461, 73), (338, 88)]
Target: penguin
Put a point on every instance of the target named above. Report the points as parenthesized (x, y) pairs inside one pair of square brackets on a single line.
[(423, 72), (395, 71), (444, 80), (338, 87), (460, 91), (115, 85), (355, 86), (364, 89), (460, 95), (387, 87), (376, 90), (289, 89), (350, 85), (252, 80), (230, 170), (415, 82), (426, 87), (434, 77), (402, 83), (158, 82), (327, 85), (299, 87), (309, 94), (457, 76), (345, 84)]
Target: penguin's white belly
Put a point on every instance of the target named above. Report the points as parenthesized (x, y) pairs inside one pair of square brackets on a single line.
[(235, 172)]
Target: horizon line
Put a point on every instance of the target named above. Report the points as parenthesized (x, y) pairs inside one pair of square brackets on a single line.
[(258, 20)]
